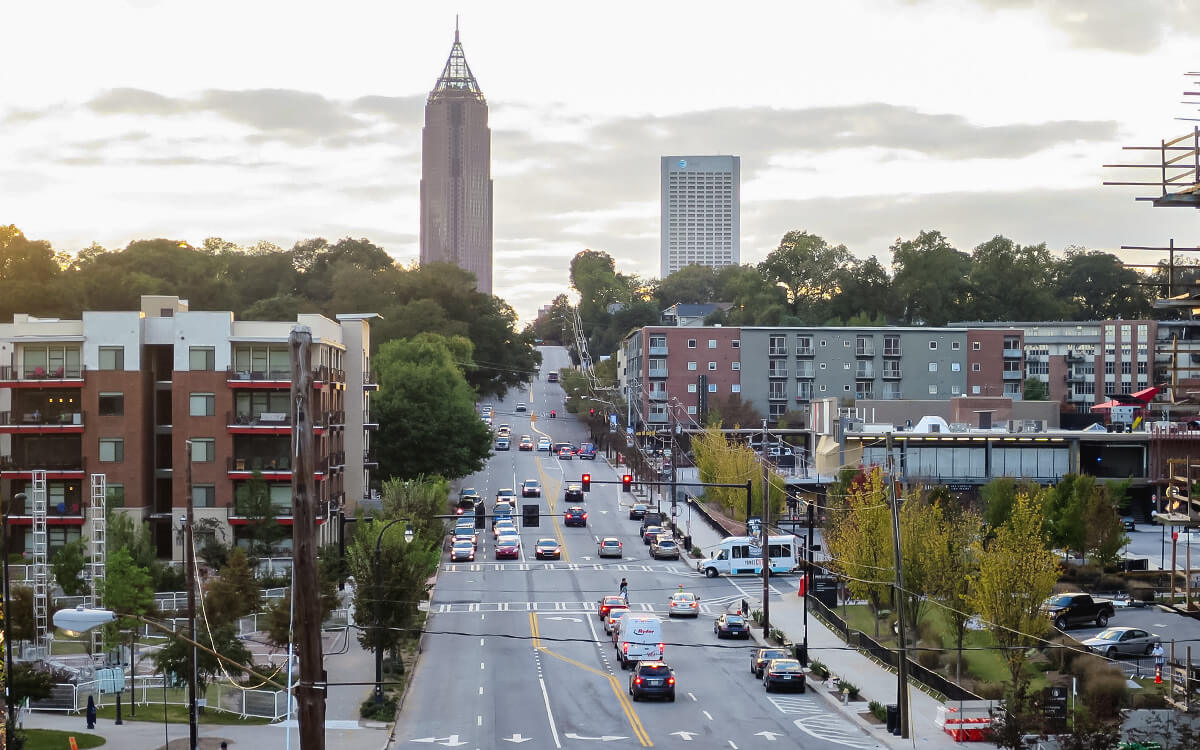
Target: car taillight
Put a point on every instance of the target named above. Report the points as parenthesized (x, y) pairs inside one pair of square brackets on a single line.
[(670, 680), (585, 516), (661, 647), (625, 648), (637, 680), (694, 604)]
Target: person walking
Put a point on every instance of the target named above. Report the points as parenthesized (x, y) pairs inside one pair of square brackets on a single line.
[(625, 590), (91, 713)]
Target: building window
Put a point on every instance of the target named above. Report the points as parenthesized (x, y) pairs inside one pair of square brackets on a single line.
[(114, 496), (845, 365), (736, 343), (112, 358), (955, 390), (202, 405), (692, 366), (712, 387), (691, 343), (822, 343), (864, 389), (823, 389), (932, 345), (735, 366), (735, 388), (777, 346), (691, 387), (974, 367), (712, 343), (1126, 368), (112, 450), (1110, 368), (974, 390), (975, 346), (777, 390), (846, 343), (933, 366), (823, 365), (932, 389), (712, 366), (1141, 368), (846, 387), (204, 495), (691, 410), (891, 346), (202, 358), (954, 345), (955, 366), (204, 450), (112, 404)]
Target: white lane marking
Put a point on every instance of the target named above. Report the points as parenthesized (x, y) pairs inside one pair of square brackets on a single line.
[(481, 689), (478, 720), (707, 715), (691, 696), (735, 747), (834, 729), (480, 641), (481, 665), (549, 713)]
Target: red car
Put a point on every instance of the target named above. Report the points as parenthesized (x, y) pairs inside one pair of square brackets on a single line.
[(508, 546), (608, 603)]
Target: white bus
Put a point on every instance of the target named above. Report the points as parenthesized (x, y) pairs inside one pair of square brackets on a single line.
[(742, 555)]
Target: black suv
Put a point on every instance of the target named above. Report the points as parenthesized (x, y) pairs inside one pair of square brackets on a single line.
[(652, 679), (574, 494), (575, 516)]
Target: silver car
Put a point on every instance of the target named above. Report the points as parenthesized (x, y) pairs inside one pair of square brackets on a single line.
[(609, 546), (1126, 641)]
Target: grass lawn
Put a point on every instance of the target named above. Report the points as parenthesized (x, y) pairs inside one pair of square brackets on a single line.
[(53, 739), (176, 714)]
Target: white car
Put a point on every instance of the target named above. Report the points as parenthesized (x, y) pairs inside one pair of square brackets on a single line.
[(544, 444), (609, 546), (683, 604), (504, 526), (610, 620)]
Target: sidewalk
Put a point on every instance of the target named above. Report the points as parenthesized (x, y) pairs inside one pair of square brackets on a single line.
[(875, 682)]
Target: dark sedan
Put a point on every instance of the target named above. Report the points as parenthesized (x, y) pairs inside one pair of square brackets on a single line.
[(575, 516), (760, 657), (731, 626), (637, 511), (547, 549), (652, 679), (786, 674), (651, 533)]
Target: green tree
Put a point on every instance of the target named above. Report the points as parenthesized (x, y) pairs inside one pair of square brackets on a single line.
[(1007, 277), (754, 299), (127, 590), (925, 549), (1035, 390), (930, 279), (1098, 286), (731, 411), (426, 410), (808, 268), (176, 655), (20, 610), (551, 324), (689, 285), (864, 289), (952, 580), (1017, 571), (594, 276), (858, 536), (262, 522), (235, 592), (68, 568), (998, 496)]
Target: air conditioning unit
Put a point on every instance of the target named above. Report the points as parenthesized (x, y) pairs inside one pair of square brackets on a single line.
[(854, 425), (959, 426), (1033, 425)]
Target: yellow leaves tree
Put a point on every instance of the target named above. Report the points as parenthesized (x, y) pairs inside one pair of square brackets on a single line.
[(859, 539), (721, 461), (1016, 573), (925, 551)]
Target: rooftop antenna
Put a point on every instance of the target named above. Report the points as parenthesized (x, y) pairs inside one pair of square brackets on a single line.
[(456, 27)]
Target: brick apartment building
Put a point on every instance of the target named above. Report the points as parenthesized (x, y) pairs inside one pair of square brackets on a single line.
[(138, 395), (670, 373)]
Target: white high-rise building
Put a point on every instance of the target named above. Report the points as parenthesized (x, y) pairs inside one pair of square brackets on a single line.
[(701, 212)]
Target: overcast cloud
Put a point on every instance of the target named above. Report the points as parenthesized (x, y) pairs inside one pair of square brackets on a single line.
[(861, 121)]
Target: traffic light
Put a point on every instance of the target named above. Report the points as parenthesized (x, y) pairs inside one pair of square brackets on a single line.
[(591, 412), (586, 481), (530, 515), (627, 483)]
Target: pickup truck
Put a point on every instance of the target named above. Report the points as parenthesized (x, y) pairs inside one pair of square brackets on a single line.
[(1065, 610)]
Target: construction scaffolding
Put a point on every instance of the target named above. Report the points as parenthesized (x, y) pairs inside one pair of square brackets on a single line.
[(98, 518), (41, 567)]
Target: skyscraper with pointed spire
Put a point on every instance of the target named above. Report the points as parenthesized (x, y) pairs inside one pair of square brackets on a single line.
[(456, 172)]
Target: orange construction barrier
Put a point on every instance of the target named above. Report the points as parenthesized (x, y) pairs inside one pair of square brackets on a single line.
[(1158, 674), (73, 745)]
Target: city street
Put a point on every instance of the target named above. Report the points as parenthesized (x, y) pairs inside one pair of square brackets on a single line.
[(515, 646)]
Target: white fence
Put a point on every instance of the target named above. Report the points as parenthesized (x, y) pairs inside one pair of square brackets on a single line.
[(266, 704)]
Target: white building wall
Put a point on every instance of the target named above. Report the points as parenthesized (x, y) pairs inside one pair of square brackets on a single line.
[(202, 329), (107, 329)]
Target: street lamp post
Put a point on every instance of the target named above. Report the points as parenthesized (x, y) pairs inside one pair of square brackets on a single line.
[(408, 537), (8, 661)]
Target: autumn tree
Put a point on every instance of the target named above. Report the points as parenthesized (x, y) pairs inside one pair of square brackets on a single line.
[(925, 549), (1016, 572), (859, 539), (721, 461), (951, 582)]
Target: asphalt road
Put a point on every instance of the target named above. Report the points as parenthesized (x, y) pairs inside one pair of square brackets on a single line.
[(514, 652)]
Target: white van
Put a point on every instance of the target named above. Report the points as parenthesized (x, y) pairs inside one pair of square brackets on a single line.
[(742, 555), (638, 637)]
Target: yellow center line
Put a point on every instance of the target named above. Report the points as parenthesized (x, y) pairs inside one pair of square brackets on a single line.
[(635, 722)]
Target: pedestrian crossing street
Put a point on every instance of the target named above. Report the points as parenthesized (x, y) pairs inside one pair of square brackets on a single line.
[(713, 606)]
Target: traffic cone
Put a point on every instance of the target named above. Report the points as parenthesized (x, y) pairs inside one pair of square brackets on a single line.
[(1158, 674)]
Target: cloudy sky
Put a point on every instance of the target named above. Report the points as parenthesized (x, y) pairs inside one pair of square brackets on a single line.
[(859, 120)]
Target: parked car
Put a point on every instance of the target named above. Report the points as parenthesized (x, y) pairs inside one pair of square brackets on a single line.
[(731, 626), (761, 656), (783, 673), (1128, 523), (1122, 641), (609, 546), (1065, 610)]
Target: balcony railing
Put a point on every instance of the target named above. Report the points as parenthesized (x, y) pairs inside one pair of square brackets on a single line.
[(804, 372), (777, 350), (658, 395), (804, 351), (9, 372), (892, 372), (658, 372), (257, 375), (891, 350), (240, 509), (51, 462), (338, 458), (658, 351), (864, 349), (335, 418), (777, 396), (864, 372), (270, 464), (1012, 375), (325, 373), (56, 507), (777, 372), (260, 419), (1012, 353), (37, 418)]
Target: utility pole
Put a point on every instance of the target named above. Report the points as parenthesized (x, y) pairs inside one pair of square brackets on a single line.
[(766, 558), (190, 562), (902, 667), (674, 454), (310, 691), (808, 579)]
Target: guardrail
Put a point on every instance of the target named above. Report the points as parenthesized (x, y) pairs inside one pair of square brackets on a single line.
[(245, 702)]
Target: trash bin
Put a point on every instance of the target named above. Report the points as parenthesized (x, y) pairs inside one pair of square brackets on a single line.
[(687, 544), (893, 718)]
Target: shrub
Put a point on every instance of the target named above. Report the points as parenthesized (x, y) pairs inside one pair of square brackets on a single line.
[(929, 635), (929, 658), (1062, 652), (697, 552), (1086, 575), (1111, 583), (818, 668), (1104, 692), (1141, 592), (877, 710), (385, 711), (778, 636), (991, 691), (848, 687), (756, 616)]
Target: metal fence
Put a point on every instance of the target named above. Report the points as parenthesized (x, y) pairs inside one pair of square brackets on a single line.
[(861, 641), (73, 698)]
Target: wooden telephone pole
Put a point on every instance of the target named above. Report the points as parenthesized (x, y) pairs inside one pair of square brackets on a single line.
[(311, 689)]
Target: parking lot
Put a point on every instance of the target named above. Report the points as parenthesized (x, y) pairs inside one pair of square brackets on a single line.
[(1184, 630)]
